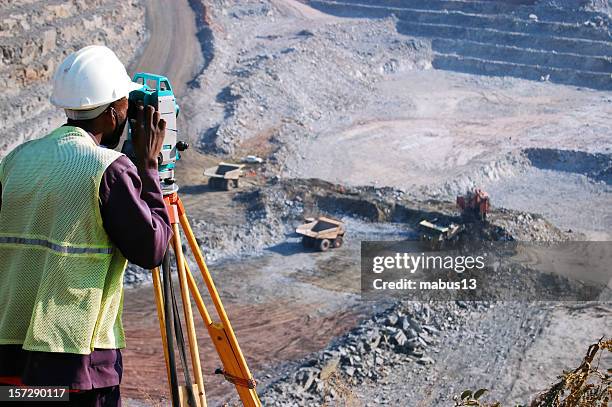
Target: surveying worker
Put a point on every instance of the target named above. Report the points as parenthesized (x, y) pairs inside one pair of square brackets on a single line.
[(72, 210)]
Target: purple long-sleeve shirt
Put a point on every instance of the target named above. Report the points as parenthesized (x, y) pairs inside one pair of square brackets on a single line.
[(135, 218)]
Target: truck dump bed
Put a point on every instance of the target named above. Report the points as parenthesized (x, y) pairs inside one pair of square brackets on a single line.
[(321, 228), (224, 170)]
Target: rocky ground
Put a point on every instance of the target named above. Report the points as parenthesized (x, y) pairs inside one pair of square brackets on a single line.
[(367, 84), (353, 122), (35, 36), (314, 288), (404, 335), (517, 138), (595, 5)]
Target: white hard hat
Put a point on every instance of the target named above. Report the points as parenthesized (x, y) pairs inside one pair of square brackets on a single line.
[(90, 78)]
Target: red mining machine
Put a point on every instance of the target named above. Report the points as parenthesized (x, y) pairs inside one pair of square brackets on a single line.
[(475, 204)]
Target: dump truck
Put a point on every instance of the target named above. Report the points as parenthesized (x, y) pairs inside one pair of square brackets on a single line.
[(439, 234), (474, 205), (321, 233), (224, 176)]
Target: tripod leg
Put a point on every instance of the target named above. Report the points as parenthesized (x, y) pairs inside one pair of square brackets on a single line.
[(159, 303), (169, 325), (186, 394), (223, 336), (193, 288), (224, 348), (191, 333)]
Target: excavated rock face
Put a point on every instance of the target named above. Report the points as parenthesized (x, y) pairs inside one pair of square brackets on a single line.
[(602, 6), (285, 83), (34, 38), (565, 41)]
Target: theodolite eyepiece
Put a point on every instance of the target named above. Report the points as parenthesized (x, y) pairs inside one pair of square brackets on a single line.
[(182, 146)]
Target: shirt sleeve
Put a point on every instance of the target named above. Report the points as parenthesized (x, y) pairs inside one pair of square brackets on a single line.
[(134, 214)]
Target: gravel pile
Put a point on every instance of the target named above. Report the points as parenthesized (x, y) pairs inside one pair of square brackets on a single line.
[(407, 333), (530, 227)]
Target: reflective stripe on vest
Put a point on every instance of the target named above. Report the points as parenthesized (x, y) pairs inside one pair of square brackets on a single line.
[(55, 247)]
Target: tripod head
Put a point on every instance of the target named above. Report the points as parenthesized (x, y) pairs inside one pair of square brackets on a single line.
[(157, 92)]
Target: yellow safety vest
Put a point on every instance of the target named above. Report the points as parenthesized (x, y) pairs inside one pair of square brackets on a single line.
[(61, 278)]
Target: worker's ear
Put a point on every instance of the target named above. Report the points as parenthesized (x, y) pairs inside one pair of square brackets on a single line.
[(121, 108), (109, 119)]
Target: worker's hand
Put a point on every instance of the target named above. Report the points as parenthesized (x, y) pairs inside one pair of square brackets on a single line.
[(148, 132)]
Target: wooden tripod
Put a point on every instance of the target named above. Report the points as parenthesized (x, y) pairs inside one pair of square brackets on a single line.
[(235, 368)]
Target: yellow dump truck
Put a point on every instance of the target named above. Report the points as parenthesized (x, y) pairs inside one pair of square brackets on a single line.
[(322, 233), (224, 176)]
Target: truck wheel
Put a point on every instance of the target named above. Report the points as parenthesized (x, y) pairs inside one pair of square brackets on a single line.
[(212, 184), (338, 242), (324, 245), (227, 184)]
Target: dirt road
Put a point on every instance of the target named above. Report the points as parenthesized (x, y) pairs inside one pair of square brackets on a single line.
[(302, 10), (173, 48)]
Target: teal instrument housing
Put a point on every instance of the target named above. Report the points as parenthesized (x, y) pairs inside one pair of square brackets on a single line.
[(161, 87), (157, 92)]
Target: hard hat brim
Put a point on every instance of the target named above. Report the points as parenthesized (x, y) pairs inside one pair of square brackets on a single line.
[(134, 86)]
